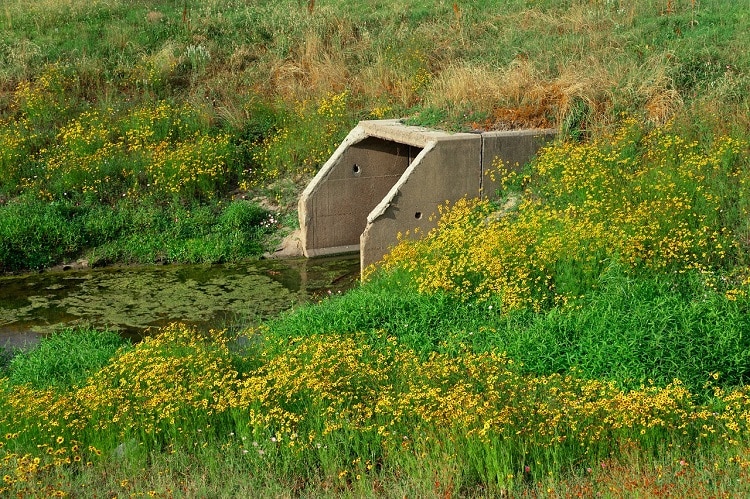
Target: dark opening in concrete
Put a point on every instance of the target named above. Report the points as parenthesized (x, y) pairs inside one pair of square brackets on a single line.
[(351, 187)]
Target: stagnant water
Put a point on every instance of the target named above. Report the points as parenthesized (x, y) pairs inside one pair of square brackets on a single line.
[(132, 300)]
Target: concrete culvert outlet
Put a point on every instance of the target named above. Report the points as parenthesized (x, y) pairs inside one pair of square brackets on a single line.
[(387, 177)]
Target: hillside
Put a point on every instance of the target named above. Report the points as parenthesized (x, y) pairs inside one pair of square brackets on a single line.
[(120, 116)]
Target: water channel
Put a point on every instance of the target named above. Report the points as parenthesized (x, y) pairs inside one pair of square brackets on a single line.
[(133, 300)]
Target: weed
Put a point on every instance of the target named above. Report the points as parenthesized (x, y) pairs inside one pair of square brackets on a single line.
[(651, 201), (5, 358), (348, 409)]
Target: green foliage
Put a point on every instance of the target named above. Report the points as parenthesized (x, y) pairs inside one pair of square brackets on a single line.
[(64, 359), (575, 123), (637, 331), (37, 234), (209, 233), (5, 358), (430, 118), (349, 410), (390, 304), (649, 200), (242, 216)]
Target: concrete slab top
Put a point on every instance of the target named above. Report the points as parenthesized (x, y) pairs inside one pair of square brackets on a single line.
[(396, 131)]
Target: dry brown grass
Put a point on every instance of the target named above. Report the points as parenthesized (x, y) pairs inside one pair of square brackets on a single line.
[(651, 86), (465, 84), (316, 66), (521, 96), (381, 80), (154, 16), (579, 18), (243, 57), (684, 476), (525, 65)]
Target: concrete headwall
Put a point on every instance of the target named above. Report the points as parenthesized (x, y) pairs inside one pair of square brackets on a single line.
[(387, 178)]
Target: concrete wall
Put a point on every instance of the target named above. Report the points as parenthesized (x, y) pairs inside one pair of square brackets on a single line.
[(448, 170), (387, 178), (334, 207), (515, 148)]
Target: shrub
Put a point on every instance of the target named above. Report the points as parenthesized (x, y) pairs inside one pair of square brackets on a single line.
[(242, 216), (35, 234)]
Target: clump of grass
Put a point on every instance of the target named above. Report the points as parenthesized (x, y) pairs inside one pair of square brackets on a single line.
[(636, 331), (208, 233), (5, 357), (64, 359), (37, 234)]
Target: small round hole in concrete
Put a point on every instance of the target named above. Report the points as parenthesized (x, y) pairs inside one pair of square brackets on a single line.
[(356, 169), (418, 215)]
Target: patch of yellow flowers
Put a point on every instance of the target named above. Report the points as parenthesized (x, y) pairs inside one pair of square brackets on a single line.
[(650, 201), (307, 137), (178, 386), (154, 149)]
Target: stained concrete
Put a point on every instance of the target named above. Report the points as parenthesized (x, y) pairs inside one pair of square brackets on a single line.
[(388, 178)]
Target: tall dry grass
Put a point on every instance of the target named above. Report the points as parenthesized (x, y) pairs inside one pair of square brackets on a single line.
[(524, 64)]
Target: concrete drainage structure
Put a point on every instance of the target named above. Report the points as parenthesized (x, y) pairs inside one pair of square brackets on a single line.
[(387, 177)]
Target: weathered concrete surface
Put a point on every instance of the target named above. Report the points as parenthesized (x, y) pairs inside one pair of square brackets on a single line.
[(515, 149), (387, 178), (289, 247), (333, 208), (448, 170)]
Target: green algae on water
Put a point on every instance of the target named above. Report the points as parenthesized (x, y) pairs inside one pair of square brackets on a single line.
[(132, 299)]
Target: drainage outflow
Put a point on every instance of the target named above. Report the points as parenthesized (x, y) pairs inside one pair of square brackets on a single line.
[(387, 178)]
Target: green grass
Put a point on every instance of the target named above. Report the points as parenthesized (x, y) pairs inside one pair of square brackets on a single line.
[(630, 330), (154, 419), (5, 357), (227, 475), (36, 234), (134, 132), (283, 85), (637, 331), (64, 359)]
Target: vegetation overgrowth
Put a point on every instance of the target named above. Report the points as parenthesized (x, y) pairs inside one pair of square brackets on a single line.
[(585, 332)]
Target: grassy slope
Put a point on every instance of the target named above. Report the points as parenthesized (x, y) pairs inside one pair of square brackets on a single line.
[(284, 84), (478, 55), (274, 72)]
